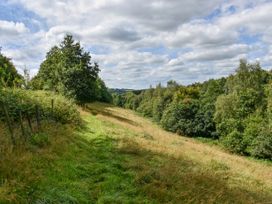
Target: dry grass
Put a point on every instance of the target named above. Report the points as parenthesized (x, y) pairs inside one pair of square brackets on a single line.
[(120, 157), (167, 179), (238, 171)]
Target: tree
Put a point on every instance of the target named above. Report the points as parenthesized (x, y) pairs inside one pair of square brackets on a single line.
[(103, 92), (9, 76), (181, 118), (236, 110), (51, 70), (68, 69), (209, 92), (247, 76), (242, 114), (118, 99)]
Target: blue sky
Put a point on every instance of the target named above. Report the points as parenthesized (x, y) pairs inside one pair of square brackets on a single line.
[(141, 43)]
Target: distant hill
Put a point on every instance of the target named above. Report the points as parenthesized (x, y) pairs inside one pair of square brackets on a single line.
[(122, 91)]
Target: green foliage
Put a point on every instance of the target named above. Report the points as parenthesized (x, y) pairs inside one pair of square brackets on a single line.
[(169, 118), (242, 114), (145, 108), (234, 142), (39, 139), (236, 110), (247, 76), (16, 100), (9, 76), (146, 105), (103, 94), (227, 106), (262, 145), (130, 100), (209, 92), (158, 108), (117, 99), (181, 118), (68, 69)]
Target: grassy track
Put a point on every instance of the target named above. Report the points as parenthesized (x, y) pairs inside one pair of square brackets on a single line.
[(119, 157)]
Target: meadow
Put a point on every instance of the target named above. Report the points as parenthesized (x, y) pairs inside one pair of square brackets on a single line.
[(117, 156)]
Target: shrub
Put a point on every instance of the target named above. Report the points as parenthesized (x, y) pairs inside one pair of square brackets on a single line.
[(168, 120), (181, 118), (234, 142), (146, 108), (228, 125), (17, 100), (262, 145)]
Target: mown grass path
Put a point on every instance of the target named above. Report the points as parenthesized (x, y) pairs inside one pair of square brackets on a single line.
[(119, 157)]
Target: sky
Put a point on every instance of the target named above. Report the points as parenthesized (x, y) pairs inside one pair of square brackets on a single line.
[(139, 43)]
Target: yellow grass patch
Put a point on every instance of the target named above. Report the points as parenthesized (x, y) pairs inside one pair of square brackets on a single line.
[(239, 170)]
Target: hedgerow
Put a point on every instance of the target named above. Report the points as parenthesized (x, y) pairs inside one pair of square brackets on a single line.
[(48, 104)]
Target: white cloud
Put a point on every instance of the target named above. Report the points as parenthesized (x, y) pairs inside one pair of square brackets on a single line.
[(11, 28), (218, 53), (201, 34), (144, 42)]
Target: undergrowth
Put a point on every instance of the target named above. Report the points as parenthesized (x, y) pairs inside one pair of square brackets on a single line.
[(49, 104)]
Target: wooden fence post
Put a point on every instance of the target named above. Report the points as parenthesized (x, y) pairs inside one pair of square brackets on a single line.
[(38, 116), (22, 124), (29, 122)]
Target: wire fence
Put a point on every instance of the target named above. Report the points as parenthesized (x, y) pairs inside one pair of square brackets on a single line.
[(28, 122)]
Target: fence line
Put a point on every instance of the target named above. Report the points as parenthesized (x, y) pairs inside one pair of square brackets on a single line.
[(24, 117)]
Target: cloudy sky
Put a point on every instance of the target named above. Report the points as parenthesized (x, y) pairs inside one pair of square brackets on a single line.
[(142, 42)]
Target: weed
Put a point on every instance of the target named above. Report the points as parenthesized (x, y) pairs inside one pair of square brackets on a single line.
[(39, 139)]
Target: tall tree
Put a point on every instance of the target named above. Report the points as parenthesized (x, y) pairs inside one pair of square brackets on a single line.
[(9, 76), (68, 69)]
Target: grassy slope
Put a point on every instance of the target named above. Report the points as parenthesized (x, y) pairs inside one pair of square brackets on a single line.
[(120, 157)]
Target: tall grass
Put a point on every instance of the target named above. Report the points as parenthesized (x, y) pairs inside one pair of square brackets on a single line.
[(49, 104), (119, 157)]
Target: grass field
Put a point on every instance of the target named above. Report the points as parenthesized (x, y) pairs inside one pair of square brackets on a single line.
[(120, 157)]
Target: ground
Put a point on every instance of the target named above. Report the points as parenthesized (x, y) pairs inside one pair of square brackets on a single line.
[(121, 157)]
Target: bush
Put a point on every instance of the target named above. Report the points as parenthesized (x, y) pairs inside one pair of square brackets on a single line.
[(158, 108), (146, 108), (168, 120), (262, 145), (253, 126), (181, 118), (17, 100), (234, 142), (229, 125)]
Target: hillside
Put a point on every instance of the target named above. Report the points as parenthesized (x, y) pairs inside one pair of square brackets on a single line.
[(120, 157), (234, 111)]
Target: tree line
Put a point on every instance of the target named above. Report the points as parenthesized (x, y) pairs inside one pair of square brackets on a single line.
[(236, 110)]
